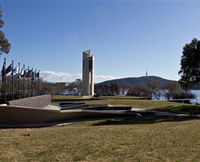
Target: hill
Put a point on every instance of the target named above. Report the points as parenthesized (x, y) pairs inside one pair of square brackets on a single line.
[(139, 81)]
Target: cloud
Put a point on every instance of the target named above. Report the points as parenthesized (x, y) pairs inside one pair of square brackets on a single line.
[(52, 76)]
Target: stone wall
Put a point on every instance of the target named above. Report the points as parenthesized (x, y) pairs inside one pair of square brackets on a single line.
[(35, 102)]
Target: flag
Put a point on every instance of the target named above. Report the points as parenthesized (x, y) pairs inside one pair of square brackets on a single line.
[(38, 74), (28, 73), (3, 71), (33, 76), (22, 72), (9, 68), (16, 71)]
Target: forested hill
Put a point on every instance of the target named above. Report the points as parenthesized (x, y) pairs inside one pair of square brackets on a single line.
[(139, 81)]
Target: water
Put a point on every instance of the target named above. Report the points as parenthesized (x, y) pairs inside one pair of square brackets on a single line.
[(194, 100), (197, 95)]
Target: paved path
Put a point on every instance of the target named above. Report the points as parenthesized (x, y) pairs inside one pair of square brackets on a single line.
[(52, 107)]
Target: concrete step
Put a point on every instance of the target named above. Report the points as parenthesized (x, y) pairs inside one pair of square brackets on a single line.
[(99, 107), (74, 107), (71, 103)]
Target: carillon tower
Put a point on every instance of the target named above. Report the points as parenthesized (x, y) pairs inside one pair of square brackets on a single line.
[(88, 74)]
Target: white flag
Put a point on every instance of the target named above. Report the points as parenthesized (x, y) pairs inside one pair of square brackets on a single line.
[(16, 70)]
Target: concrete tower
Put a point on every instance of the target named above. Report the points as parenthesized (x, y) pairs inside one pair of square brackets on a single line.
[(88, 73)]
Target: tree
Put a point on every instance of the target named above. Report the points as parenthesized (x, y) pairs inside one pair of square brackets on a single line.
[(153, 89), (78, 83), (190, 65), (171, 88), (106, 89), (138, 90), (4, 44)]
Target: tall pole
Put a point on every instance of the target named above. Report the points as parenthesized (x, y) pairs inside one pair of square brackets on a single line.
[(28, 83), (32, 82), (12, 81), (35, 81), (4, 79), (23, 81), (38, 83), (18, 77)]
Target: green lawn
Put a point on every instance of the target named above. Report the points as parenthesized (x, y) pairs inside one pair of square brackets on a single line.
[(121, 97), (138, 103), (155, 105), (64, 97), (145, 138), (141, 138)]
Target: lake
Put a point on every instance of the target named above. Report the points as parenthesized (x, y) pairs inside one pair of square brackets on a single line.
[(194, 100), (197, 94)]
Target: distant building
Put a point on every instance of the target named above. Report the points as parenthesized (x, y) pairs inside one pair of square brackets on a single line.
[(123, 91)]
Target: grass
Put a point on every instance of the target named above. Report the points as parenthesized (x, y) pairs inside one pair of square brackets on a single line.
[(145, 138), (121, 97), (182, 109), (64, 97), (154, 105), (144, 104), (141, 138)]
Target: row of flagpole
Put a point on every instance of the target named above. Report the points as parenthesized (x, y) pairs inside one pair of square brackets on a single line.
[(24, 74)]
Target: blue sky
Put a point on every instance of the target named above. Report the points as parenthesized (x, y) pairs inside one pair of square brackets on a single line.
[(125, 36)]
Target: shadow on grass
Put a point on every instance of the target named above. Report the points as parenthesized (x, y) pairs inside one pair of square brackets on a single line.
[(144, 119), (99, 121), (184, 109)]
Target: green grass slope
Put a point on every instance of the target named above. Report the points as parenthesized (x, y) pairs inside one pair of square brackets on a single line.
[(126, 139)]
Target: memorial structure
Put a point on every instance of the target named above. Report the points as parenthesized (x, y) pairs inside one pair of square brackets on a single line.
[(37, 110), (88, 74)]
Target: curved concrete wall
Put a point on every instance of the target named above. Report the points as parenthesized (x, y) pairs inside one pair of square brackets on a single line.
[(34, 110), (19, 115)]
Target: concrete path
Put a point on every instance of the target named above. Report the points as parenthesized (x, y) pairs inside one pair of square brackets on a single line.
[(52, 107)]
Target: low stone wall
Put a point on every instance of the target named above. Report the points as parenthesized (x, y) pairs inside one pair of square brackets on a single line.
[(11, 115), (35, 102)]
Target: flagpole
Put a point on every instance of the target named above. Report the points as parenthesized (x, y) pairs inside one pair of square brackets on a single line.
[(32, 82), (28, 83), (18, 80), (4, 79), (35, 86), (23, 82), (12, 81), (38, 83)]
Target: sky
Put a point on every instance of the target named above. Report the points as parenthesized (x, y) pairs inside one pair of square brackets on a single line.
[(126, 36)]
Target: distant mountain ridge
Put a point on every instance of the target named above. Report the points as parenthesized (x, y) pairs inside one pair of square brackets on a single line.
[(139, 81)]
